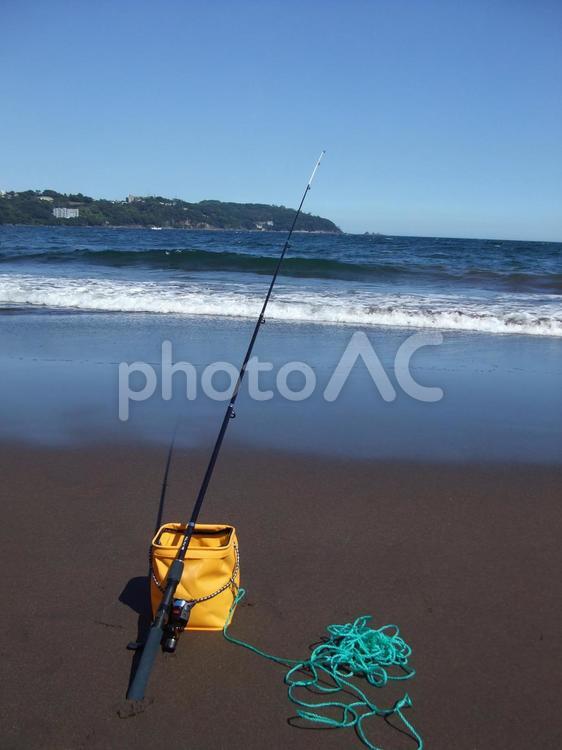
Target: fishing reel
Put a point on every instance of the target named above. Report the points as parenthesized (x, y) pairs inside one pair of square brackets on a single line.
[(177, 621)]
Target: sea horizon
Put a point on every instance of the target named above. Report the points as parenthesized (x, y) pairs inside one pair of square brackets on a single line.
[(281, 232)]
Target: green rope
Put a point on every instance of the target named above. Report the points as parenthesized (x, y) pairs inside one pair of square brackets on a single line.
[(351, 650)]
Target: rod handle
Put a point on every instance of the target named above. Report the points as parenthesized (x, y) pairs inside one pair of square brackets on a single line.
[(140, 680)]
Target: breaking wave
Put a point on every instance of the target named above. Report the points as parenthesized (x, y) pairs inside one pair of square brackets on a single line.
[(507, 313)]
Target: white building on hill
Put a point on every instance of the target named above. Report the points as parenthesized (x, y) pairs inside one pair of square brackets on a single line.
[(66, 213)]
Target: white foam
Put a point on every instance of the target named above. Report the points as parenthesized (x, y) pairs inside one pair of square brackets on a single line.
[(523, 314)]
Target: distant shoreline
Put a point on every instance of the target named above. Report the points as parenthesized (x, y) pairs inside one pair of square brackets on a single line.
[(181, 229)]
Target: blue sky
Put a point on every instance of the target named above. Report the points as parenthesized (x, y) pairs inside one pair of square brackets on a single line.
[(439, 118)]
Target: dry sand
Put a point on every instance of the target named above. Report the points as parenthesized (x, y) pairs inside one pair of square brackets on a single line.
[(466, 559)]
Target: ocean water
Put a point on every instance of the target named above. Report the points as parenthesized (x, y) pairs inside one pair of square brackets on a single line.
[(489, 286)]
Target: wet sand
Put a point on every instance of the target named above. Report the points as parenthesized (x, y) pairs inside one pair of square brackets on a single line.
[(465, 558), (502, 398)]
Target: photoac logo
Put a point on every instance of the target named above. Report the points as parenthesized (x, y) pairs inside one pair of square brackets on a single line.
[(359, 352)]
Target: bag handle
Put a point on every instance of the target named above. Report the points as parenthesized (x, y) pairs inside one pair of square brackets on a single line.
[(230, 582)]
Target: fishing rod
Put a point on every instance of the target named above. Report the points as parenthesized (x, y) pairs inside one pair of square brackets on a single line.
[(156, 631)]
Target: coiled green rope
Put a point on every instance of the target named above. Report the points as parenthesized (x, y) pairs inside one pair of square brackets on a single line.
[(351, 650)]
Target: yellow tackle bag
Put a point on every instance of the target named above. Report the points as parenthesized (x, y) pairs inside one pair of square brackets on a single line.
[(211, 575)]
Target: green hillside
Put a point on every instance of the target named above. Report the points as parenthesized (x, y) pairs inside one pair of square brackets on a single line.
[(36, 207)]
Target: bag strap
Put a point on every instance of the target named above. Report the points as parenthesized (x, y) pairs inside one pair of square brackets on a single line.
[(228, 584)]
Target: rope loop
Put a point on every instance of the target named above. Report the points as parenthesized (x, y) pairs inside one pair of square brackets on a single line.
[(351, 650)]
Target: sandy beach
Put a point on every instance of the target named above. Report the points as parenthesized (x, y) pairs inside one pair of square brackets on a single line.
[(464, 558)]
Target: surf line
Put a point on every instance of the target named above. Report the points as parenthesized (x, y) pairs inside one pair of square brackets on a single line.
[(172, 614)]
